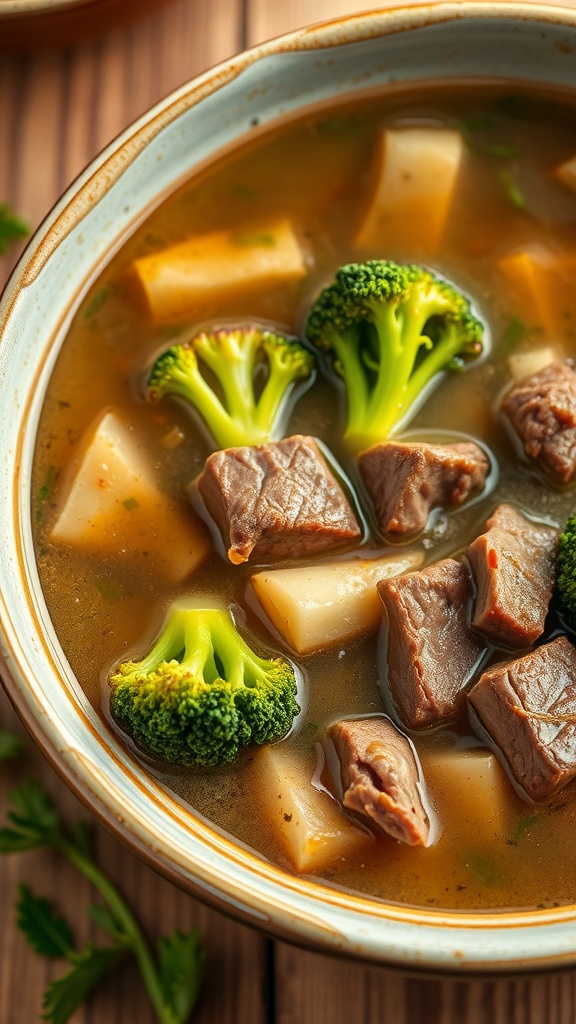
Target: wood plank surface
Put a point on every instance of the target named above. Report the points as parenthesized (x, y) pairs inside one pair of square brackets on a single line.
[(56, 111)]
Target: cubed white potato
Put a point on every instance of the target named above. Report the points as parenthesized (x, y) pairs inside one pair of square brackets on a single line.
[(185, 277), (469, 787), (566, 173), (330, 602), (109, 503), (417, 172), (529, 361), (541, 284), (310, 825)]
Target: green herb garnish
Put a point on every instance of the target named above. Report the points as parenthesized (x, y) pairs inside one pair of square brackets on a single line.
[(97, 301), (475, 124), (11, 227), (130, 503), (108, 589), (46, 491), (172, 977), (522, 828), (499, 150), (335, 125), (482, 867), (10, 746), (512, 190), (513, 334)]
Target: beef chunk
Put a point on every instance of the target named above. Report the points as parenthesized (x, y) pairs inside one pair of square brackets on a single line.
[(513, 565), (406, 481), (276, 500), (432, 653), (518, 703), (380, 777), (542, 410)]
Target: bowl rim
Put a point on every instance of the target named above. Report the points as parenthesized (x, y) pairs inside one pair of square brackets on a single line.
[(274, 915)]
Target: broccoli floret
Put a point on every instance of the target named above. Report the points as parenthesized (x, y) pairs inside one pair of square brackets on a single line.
[(566, 570), (247, 410), (390, 330), (202, 694)]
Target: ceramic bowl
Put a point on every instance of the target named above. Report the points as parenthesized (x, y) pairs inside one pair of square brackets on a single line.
[(516, 42)]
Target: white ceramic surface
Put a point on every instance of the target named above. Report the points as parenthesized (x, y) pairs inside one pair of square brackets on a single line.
[(481, 40)]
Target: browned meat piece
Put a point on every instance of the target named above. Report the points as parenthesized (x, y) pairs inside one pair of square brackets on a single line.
[(513, 565), (276, 500), (406, 481), (380, 777), (526, 705), (542, 410), (432, 653)]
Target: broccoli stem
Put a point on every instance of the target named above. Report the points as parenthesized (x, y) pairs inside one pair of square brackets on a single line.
[(400, 332), (274, 393), (195, 390), (235, 373), (351, 369), (397, 384), (241, 666), (438, 359), (169, 644), (198, 634)]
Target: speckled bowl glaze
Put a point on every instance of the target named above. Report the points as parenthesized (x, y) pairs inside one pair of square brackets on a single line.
[(481, 40)]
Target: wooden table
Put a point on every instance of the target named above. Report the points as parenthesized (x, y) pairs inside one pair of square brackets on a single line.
[(57, 110)]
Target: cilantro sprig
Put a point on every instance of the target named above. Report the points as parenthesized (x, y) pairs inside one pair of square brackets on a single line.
[(172, 974), (11, 746), (11, 227)]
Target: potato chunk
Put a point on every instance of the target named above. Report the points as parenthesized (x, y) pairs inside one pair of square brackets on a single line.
[(541, 284), (417, 171), (110, 503), (309, 823), (469, 787), (179, 280), (527, 362), (328, 603)]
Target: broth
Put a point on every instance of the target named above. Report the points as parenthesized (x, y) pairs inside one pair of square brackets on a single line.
[(317, 170)]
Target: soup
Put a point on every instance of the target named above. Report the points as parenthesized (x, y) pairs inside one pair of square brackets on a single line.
[(316, 181)]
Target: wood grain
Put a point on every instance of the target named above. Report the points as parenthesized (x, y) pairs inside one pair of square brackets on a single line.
[(56, 111)]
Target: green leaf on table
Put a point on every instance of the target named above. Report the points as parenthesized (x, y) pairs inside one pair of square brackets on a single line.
[(32, 819), (105, 919), (10, 746), (181, 962), (11, 227), (67, 993), (82, 836), (44, 929)]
